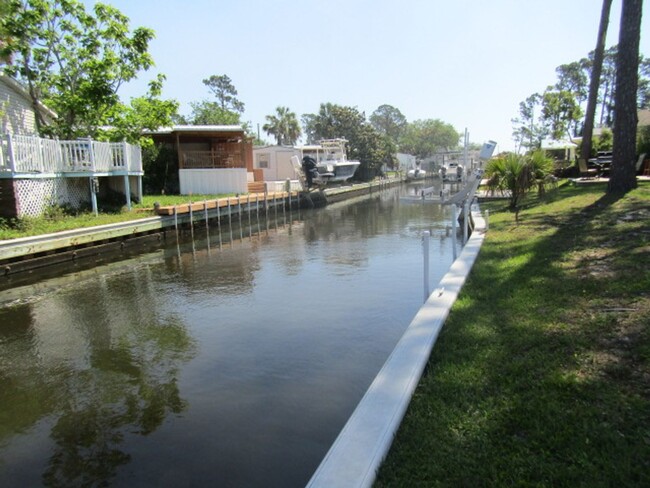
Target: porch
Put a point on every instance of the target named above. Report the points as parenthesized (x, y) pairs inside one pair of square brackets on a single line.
[(31, 156), (36, 173)]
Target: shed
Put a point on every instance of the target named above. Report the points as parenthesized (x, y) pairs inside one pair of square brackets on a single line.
[(275, 162), (211, 158)]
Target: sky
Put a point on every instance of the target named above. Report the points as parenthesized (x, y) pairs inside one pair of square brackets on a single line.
[(466, 62)]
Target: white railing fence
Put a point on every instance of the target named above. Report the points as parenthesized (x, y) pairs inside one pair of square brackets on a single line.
[(22, 155)]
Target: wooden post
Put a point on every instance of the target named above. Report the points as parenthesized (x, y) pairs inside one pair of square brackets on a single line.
[(139, 188), (93, 195), (127, 190)]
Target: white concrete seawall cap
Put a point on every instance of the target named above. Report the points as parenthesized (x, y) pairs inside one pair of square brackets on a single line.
[(360, 448)]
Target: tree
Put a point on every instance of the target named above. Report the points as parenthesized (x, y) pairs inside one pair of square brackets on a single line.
[(389, 121), (149, 112), (594, 83), (517, 174), (5, 40), (572, 78), (222, 88), (309, 127), (206, 112), (74, 61), (423, 138), (529, 132), (622, 178), (283, 126), (560, 112)]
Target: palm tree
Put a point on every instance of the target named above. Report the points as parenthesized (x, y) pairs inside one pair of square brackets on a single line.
[(283, 126), (517, 174)]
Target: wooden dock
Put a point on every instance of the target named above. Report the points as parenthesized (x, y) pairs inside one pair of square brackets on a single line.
[(239, 200)]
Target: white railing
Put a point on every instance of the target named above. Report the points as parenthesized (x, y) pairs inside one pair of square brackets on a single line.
[(23, 155)]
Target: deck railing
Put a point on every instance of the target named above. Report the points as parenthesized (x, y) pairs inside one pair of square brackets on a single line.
[(25, 155)]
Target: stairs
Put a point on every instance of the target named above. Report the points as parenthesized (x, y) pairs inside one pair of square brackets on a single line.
[(256, 187)]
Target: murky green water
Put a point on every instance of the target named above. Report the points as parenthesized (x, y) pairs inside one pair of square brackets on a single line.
[(233, 363)]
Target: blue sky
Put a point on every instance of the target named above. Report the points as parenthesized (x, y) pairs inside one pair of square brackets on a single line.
[(466, 62)]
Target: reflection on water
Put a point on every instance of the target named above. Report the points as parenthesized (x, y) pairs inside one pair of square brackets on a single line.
[(229, 361), (91, 371)]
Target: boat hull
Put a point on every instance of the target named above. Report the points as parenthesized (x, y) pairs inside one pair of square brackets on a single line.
[(342, 171)]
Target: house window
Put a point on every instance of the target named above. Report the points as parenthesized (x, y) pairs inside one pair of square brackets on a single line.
[(263, 160)]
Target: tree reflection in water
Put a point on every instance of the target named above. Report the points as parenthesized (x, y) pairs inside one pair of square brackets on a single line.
[(131, 388), (107, 379)]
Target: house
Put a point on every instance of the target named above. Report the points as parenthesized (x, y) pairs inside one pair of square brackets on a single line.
[(562, 151), (17, 110), (37, 173), (212, 159)]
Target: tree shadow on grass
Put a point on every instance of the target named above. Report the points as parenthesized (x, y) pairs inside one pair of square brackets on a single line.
[(540, 375)]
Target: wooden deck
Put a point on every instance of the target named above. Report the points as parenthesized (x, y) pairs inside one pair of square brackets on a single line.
[(251, 198)]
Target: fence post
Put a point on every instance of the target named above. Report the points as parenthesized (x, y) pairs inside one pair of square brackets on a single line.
[(425, 250), (91, 154), (126, 156), (465, 221), (453, 229), (10, 154), (93, 195), (127, 191)]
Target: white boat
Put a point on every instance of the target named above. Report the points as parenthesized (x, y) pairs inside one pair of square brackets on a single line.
[(331, 159), (415, 174), (451, 171)]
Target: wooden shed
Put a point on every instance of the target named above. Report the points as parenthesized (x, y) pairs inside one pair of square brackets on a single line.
[(211, 158)]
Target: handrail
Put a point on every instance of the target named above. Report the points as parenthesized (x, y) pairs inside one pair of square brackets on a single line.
[(20, 154)]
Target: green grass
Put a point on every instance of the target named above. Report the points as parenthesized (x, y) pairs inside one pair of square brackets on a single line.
[(57, 219), (541, 375)]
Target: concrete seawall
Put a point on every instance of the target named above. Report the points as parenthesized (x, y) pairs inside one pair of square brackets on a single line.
[(30, 253), (360, 448)]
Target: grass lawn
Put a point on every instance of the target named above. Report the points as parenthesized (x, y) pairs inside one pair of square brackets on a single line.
[(56, 219), (541, 375)]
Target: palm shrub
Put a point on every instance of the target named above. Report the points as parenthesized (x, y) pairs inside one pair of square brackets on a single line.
[(517, 174)]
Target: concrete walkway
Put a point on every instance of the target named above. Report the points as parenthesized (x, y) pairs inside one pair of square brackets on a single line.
[(360, 448)]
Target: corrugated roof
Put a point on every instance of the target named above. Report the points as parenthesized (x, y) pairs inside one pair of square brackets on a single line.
[(197, 129)]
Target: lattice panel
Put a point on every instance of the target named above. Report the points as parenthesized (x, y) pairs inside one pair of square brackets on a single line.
[(74, 192), (33, 196)]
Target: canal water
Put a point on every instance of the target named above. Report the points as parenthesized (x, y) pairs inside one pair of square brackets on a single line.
[(233, 359)]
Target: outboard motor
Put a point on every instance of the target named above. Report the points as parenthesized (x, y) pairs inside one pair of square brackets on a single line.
[(310, 170)]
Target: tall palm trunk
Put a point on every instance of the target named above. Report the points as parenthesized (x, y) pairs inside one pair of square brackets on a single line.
[(623, 178), (596, 70)]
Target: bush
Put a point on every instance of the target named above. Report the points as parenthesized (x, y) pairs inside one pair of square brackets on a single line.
[(160, 170)]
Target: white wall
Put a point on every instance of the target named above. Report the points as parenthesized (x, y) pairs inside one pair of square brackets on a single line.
[(212, 181), (17, 112), (279, 161)]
